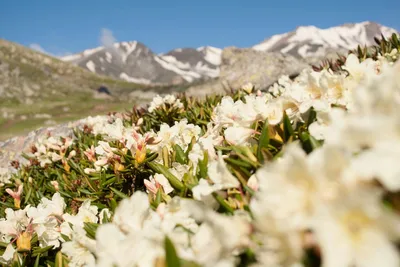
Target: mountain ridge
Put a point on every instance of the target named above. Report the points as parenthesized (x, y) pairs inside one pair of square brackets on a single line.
[(185, 65)]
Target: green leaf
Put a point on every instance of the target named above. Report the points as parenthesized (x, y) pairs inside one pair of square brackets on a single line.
[(263, 141), (239, 163), (180, 155), (65, 237), (170, 254), (118, 193), (109, 181), (165, 156), (203, 165), (158, 199), (90, 229), (309, 142), (37, 261), (314, 142), (223, 203), (150, 157), (113, 204), (60, 260), (311, 116), (190, 180), (190, 147), (287, 127), (28, 195), (37, 251), (158, 168)]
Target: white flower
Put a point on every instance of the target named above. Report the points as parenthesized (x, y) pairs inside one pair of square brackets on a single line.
[(137, 248), (358, 70), (380, 162), (86, 213), (274, 112), (290, 185), (363, 228), (15, 223), (220, 235), (159, 101), (131, 214), (253, 182), (46, 208), (220, 177), (238, 135), (8, 254), (163, 181), (80, 249), (46, 218)]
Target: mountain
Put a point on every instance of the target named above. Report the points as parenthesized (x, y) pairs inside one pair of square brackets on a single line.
[(312, 42), (37, 89), (134, 62), (27, 75)]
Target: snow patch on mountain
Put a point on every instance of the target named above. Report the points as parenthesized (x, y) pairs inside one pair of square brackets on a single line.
[(172, 60), (134, 62), (91, 66), (212, 54), (128, 78), (307, 41), (189, 76)]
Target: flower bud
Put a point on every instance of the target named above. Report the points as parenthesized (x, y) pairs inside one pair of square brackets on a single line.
[(140, 154), (248, 88), (118, 166), (24, 242), (139, 122), (16, 196), (67, 168), (55, 185)]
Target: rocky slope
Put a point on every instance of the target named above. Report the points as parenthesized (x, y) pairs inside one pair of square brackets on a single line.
[(240, 66), (37, 90), (27, 75), (133, 61)]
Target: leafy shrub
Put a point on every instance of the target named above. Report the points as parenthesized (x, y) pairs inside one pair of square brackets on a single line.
[(303, 175)]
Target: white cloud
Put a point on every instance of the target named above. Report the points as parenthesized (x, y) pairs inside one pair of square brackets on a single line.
[(57, 53), (38, 48), (107, 38)]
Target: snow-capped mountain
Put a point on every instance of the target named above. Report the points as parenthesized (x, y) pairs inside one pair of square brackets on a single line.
[(134, 62), (310, 41)]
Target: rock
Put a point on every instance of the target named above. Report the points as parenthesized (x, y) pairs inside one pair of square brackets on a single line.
[(243, 65), (103, 90)]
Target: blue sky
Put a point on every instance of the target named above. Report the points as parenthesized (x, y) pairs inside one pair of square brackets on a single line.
[(71, 26)]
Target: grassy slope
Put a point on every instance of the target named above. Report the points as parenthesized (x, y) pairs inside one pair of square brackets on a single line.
[(32, 83)]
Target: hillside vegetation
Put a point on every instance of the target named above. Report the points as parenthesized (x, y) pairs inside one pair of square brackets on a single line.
[(38, 90), (305, 174)]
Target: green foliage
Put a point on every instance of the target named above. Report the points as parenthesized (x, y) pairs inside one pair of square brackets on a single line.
[(384, 45)]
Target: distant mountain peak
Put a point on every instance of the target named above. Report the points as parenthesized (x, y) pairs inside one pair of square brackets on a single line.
[(308, 41), (134, 61)]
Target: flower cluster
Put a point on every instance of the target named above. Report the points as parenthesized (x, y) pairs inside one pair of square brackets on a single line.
[(304, 174)]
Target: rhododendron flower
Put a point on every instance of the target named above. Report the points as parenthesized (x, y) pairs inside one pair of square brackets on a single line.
[(220, 178), (238, 135)]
